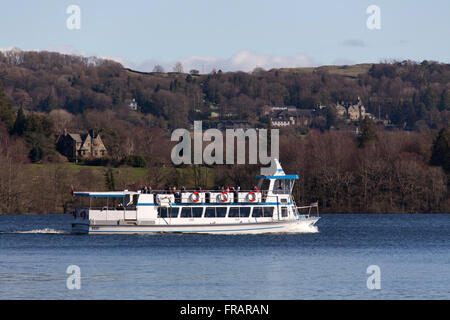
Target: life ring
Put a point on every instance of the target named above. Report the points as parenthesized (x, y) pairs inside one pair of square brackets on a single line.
[(252, 196), (195, 197), (224, 196), (83, 214)]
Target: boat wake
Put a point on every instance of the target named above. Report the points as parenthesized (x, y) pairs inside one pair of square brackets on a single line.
[(301, 228), (36, 231)]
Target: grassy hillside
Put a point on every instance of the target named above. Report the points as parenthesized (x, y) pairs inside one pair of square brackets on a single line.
[(347, 71)]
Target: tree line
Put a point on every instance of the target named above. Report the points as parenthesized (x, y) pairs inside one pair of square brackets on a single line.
[(374, 171)]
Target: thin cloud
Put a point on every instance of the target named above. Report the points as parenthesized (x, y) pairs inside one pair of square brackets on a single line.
[(353, 43), (244, 60)]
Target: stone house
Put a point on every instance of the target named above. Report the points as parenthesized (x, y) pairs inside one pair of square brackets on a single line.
[(81, 146), (351, 111)]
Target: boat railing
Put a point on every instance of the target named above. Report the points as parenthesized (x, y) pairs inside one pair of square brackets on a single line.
[(199, 191), (310, 212), (178, 193), (107, 208)]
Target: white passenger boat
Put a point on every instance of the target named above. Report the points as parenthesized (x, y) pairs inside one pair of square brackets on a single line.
[(219, 212)]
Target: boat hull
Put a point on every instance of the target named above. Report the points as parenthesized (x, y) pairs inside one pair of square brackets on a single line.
[(305, 225)]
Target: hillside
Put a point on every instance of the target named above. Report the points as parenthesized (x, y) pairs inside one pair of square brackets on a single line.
[(403, 169)]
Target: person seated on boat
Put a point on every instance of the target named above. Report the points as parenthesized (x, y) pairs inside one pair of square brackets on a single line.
[(183, 189), (177, 194), (149, 190), (255, 188), (238, 188), (144, 189)]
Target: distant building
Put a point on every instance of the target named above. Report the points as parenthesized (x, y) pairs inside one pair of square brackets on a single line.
[(131, 104), (305, 116), (231, 124), (341, 111), (352, 111), (81, 146)]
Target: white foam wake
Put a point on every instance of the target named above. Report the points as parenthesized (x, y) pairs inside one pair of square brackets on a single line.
[(301, 228), (45, 230)]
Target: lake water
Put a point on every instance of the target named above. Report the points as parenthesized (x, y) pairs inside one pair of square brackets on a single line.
[(411, 251)]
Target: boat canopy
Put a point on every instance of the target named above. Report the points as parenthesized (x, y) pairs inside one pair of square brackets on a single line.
[(285, 177), (275, 171), (112, 194)]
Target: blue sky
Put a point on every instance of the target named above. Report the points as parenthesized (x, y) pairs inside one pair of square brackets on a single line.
[(232, 34)]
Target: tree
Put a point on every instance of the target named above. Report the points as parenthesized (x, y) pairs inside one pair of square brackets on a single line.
[(20, 123), (368, 132), (440, 155), (445, 100), (158, 69), (36, 153), (109, 180), (6, 114), (331, 117), (61, 118), (178, 67)]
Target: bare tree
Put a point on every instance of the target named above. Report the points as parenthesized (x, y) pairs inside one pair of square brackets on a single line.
[(178, 67), (158, 69)]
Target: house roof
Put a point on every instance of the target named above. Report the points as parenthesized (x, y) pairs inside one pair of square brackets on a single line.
[(76, 137)]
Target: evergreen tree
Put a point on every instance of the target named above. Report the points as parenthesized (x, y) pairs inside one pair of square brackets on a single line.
[(445, 100), (441, 150), (36, 153), (20, 123), (109, 180), (331, 117), (368, 132)]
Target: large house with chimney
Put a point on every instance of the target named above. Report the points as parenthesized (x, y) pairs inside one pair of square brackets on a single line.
[(77, 146)]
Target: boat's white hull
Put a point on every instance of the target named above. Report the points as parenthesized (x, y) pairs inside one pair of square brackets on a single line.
[(304, 225)]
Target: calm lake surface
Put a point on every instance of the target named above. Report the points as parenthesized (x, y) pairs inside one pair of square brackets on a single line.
[(412, 252)]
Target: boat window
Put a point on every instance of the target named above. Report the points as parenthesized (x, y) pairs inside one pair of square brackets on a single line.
[(162, 212), (284, 212), (244, 212), (221, 212), (210, 212), (234, 212), (173, 212), (283, 186), (257, 212), (197, 212), (186, 212), (268, 212)]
